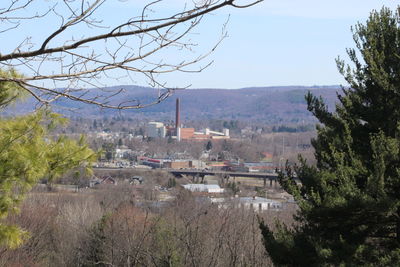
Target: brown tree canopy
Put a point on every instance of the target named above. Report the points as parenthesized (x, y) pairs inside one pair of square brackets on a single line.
[(80, 48)]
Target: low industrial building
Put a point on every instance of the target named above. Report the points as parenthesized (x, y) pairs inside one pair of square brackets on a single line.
[(204, 188), (158, 130), (259, 166), (181, 164), (206, 134), (169, 164), (258, 204)]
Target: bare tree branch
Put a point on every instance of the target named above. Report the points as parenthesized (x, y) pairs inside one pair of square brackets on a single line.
[(83, 50)]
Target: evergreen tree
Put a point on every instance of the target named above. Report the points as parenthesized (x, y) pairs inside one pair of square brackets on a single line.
[(109, 151), (27, 154), (349, 203), (209, 145)]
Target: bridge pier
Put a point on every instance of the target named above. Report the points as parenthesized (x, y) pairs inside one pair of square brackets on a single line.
[(196, 178), (273, 183)]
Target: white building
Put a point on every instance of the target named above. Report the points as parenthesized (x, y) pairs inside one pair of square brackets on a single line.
[(122, 151), (155, 130), (256, 203), (259, 203), (224, 134), (207, 188)]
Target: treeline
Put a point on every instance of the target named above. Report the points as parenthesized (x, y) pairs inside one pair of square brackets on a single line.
[(110, 228), (296, 129)]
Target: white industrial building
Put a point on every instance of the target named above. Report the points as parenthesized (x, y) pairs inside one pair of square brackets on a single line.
[(258, 204), (207, 131), (156, 130), (207, 188)]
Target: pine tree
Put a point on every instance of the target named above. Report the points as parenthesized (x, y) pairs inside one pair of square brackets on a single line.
[(349, 203), (28, 154), (209, 145)]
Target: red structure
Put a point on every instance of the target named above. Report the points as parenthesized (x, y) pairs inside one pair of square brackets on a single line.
[(189, 133)]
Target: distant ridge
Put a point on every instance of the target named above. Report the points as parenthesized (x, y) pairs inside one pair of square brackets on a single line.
[(273, 104)]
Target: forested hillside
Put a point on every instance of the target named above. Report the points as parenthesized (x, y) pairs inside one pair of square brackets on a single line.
[(268, 104)]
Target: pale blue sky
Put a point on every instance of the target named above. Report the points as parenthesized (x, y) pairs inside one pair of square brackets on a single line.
[(285, 42), (277, 42)]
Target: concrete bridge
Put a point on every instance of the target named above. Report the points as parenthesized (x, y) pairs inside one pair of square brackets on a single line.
[(199, 174)]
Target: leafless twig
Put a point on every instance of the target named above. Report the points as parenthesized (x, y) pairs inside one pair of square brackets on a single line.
[(84, 51)]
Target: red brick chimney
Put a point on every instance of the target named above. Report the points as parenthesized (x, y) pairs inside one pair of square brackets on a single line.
[(177, 115)]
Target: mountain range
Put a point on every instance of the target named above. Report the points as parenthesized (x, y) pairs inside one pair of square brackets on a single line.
[(272, 105)]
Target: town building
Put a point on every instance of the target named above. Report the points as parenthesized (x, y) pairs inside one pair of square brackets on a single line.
[(122, 152), (258, 204), (158, 130), (155, 130), (204, 188)]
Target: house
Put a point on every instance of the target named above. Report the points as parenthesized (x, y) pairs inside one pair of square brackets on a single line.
[(105, 180), (108, 180)]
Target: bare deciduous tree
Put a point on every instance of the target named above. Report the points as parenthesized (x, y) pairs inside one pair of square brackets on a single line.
[(84, 49)]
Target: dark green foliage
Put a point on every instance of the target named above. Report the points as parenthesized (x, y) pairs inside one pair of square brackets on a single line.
[(232, 125), (209, 145), (168, 252), (141, 131), (234, 187), (226, 146), (171, 182), (349, 203), (95, 247), (109, 151), (300, 128)]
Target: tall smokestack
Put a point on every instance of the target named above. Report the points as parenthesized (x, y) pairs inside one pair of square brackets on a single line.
[(177, 115)]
